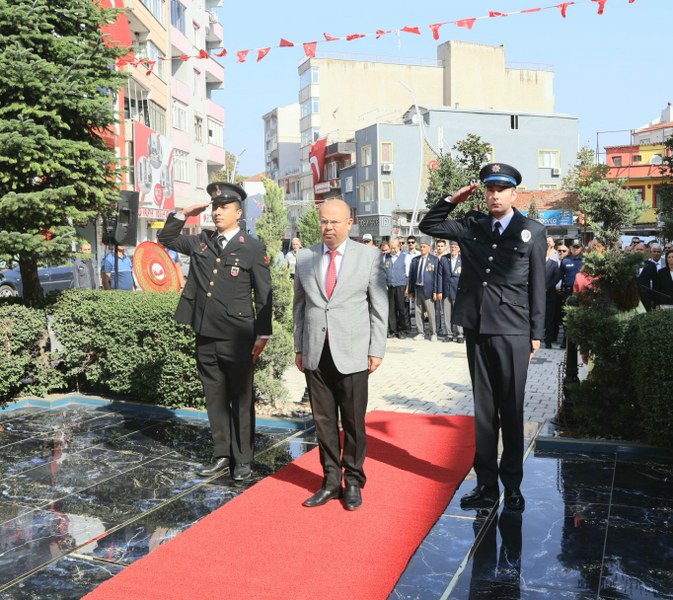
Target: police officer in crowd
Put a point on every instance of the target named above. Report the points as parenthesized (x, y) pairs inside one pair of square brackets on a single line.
[(226, 267), (570, 267), (500, 304)]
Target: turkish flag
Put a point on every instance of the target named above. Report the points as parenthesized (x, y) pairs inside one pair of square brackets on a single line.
[(317, 159)]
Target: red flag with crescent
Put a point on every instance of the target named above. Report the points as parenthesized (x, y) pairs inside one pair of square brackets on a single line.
[(317, 159), (154, 269)]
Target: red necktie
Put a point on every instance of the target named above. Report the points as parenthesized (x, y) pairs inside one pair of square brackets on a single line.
[(330, 280)]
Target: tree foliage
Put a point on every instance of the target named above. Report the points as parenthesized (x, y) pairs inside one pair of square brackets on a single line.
[(453, 173), (230, 172), (608, 208), (309, 227), (665, 204), (585, 172), (57, 95), (278, 354)]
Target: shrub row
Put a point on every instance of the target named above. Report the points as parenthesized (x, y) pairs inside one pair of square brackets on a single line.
[(115, 343)]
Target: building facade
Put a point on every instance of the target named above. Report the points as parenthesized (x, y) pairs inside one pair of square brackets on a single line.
[(171, 137)]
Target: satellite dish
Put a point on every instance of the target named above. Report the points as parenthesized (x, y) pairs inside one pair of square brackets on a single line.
[(656, 159)]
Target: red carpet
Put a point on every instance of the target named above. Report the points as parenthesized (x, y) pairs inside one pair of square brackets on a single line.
[(265, 544)]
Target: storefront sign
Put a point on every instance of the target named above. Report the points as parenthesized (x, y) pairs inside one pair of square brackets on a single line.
[(554, 217)]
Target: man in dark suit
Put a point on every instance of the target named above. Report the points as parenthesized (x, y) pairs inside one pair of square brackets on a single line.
[(500, 304), (340, 321), (448, 275), (422, 290), (647, 277), (226, 267)]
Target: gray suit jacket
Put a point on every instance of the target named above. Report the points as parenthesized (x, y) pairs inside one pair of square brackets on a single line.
[(356, 316)]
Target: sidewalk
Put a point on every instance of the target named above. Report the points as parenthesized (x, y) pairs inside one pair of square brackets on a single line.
[(433, 377)]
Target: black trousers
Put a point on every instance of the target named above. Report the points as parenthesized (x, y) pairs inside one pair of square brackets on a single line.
[(397, 310), (498, 368), (335, 395), (551, 297), (228, 389)]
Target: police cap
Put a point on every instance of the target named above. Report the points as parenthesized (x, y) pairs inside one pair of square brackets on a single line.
[(500, 174), (221, 192)]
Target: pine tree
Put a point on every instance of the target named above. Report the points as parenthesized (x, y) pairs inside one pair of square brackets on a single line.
[(309, 227), (57, 95), (278, 354)]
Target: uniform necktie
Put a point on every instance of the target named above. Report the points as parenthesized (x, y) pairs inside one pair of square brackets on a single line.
[(496, 229), (331, 279), (221, 240)]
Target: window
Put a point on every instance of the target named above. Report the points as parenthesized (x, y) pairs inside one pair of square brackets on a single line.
[(637, 158), (180, 115), (332, 170), (548, 159), (617, 161), (149, 51), (640, 192), (157, 117), (198, 128), (514, 121), (308, 77), (200, 174), (349, 184), (309, 136), (365, 156), (197, 79), (386, 152), (178, 16), (180, 166), (154, 7), (387, 191), (311, 106), (367, 192), (215, 133), (548, 186), (656, 196)]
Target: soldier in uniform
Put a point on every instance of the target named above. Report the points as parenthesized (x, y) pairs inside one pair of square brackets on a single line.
[(500, 305), (226, 267)]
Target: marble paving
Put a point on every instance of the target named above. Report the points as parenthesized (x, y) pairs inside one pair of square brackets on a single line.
[(87, 489)]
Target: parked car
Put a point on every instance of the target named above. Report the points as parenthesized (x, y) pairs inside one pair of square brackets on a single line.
[(52, 277)]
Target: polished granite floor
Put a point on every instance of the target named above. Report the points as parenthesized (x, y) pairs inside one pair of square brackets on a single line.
[(86, 489)]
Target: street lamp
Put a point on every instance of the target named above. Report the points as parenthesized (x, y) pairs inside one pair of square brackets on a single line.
[(421, 141), (232, 179)]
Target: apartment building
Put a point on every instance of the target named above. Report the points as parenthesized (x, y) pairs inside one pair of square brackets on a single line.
[(638, 164), (172, 134)]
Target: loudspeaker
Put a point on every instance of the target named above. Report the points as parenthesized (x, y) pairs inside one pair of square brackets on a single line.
[(126, 229)]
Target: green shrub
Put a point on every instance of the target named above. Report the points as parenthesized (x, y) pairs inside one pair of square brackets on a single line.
[(650, 339), (24, 361)]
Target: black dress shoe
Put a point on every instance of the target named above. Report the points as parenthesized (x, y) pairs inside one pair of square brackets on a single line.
[(241, 471), (352, 497), (218, 466), (461, 340), (483, 496), (322, 496), (514, 500), (547, 345)]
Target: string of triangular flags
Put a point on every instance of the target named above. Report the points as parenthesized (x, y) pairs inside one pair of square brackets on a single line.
[(310, 47)]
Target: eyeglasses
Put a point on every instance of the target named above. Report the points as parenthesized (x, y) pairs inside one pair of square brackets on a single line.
[(411, 242), (366, 241), (325, 223)]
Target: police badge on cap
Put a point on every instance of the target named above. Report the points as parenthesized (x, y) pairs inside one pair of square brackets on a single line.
[(222, 192), (500, 174)]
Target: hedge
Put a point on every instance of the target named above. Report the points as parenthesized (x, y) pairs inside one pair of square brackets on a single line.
[(116, 343)]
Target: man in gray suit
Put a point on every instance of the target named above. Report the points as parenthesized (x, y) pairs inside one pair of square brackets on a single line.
[(340, 323)]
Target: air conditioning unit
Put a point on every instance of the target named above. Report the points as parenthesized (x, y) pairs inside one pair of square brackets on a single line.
[(335, 184), (212, 17), (556, 172), (386, 167)]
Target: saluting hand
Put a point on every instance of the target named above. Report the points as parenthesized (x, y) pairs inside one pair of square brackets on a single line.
[(194, 209), (464, 193)]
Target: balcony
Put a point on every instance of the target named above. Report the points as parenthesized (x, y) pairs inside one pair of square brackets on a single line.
[(214, 72), (214, 31), (179, 43), (215, 111)]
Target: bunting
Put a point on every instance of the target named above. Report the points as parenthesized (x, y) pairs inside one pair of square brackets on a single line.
[(310, 48)]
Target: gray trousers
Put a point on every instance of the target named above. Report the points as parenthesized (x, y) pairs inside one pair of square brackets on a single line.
[(421, 305), (447, 308)]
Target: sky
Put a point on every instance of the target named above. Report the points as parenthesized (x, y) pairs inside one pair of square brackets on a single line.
[(612, 71)]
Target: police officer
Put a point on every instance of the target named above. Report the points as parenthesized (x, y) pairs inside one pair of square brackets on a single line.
[(226, 267), (570, 267), (500, 304)]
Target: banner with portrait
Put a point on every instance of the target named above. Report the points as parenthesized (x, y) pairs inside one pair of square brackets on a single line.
[(153, 167)]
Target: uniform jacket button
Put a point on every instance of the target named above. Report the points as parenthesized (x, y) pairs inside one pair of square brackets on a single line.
[(484, 283), (212, 283), (209, 294), (488, 270)]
